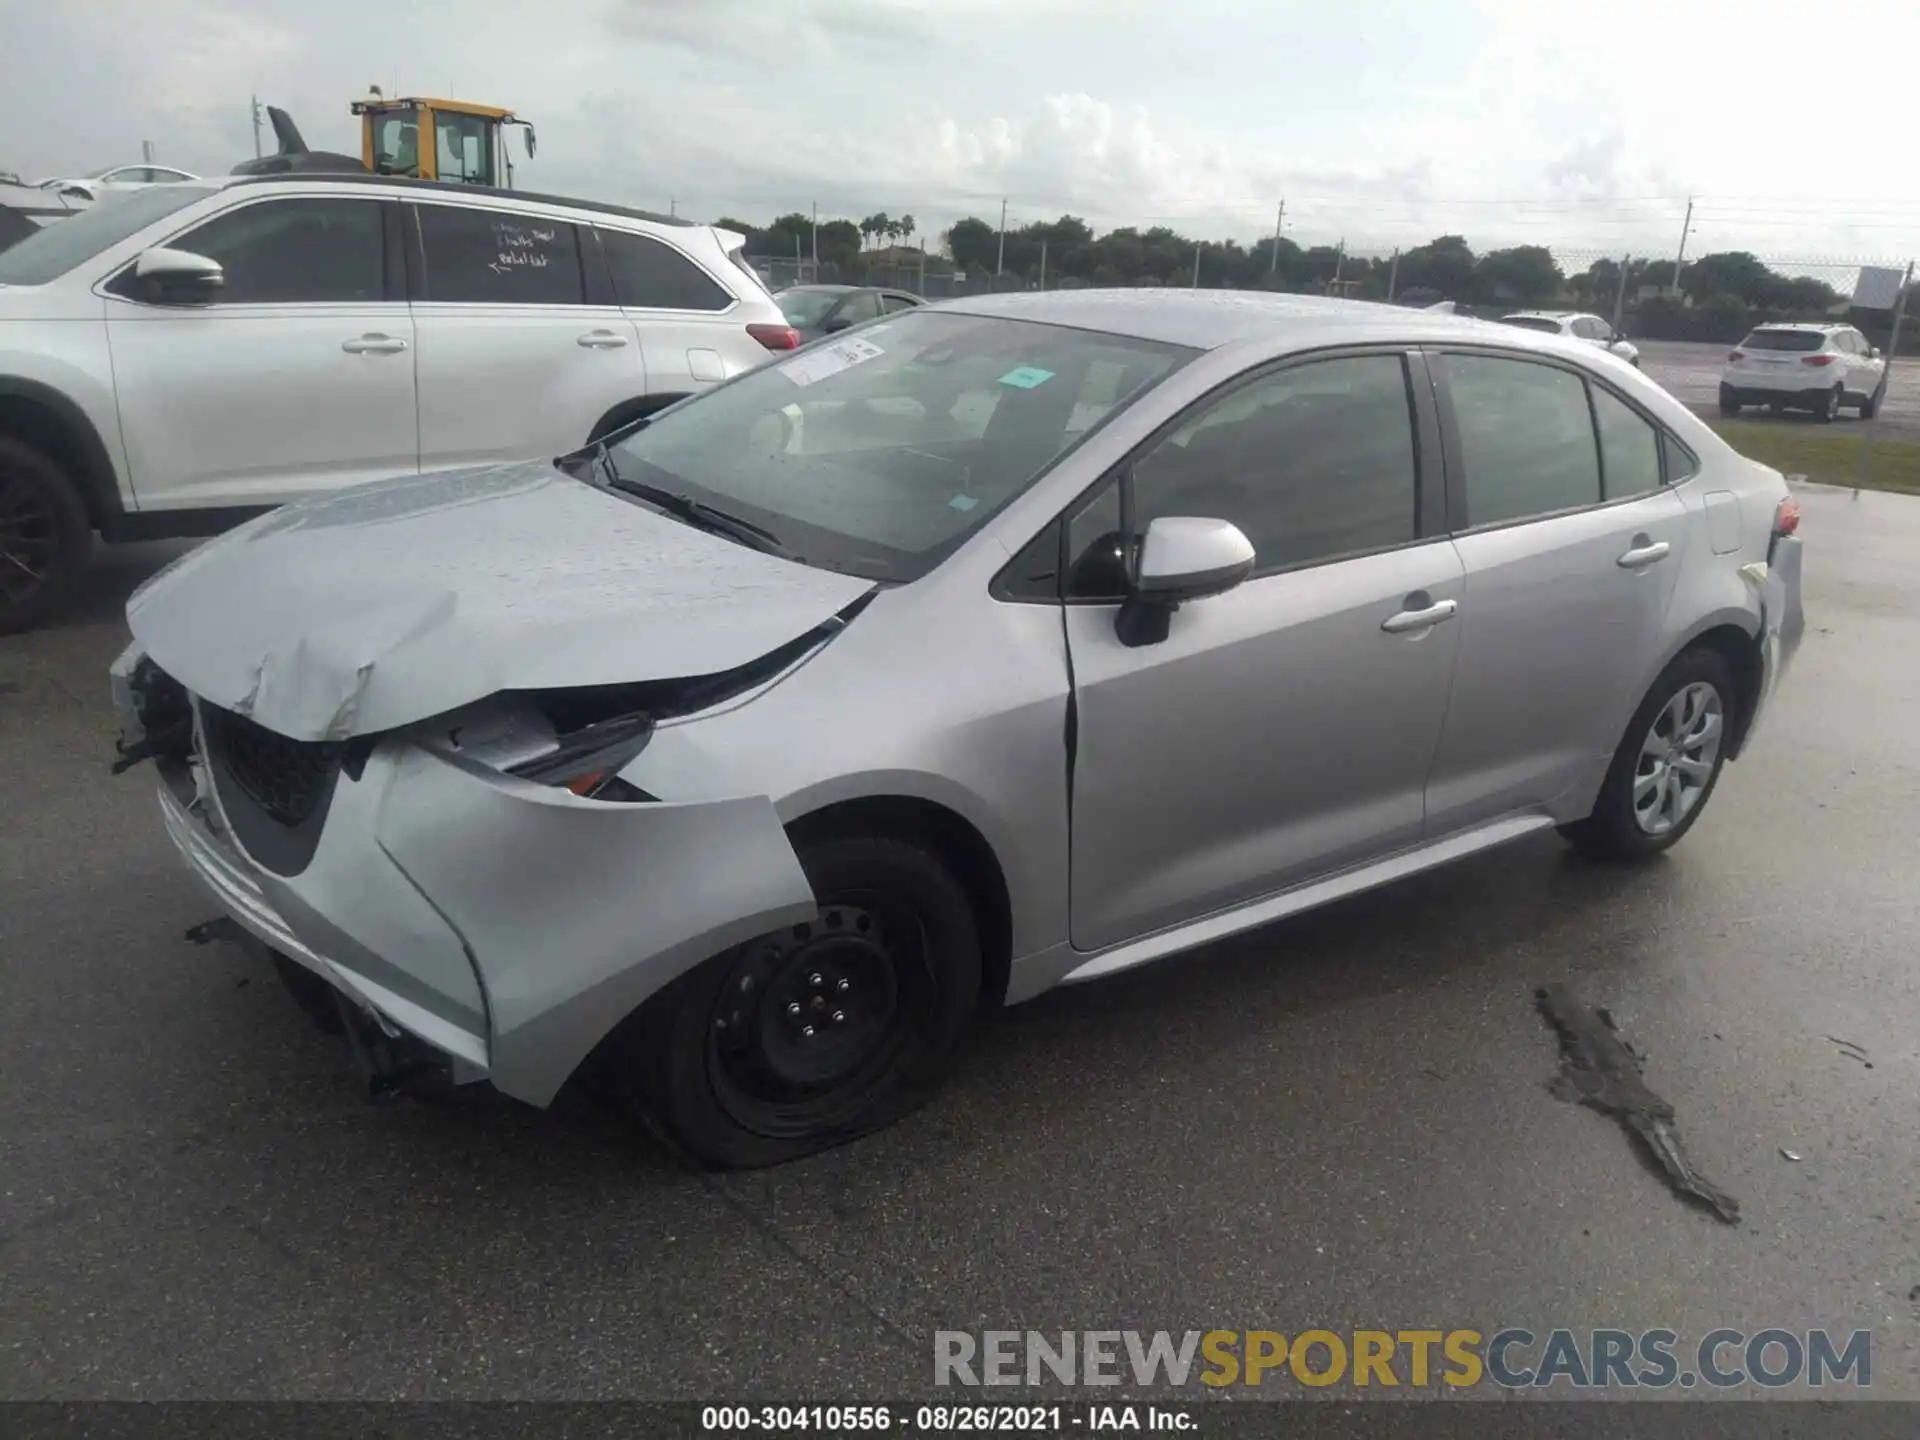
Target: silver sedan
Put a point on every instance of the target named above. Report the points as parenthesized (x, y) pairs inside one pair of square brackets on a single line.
[(738, 763)]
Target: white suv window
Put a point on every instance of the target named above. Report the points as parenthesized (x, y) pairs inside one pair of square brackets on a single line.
[(650, 274), (301, 250), (497, 257)]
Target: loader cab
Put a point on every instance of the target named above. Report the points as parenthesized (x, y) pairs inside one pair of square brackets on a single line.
[(450, 140)]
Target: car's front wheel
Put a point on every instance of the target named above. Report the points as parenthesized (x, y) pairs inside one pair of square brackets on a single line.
[(820, 1032), (1667, 765), (1729, 403)]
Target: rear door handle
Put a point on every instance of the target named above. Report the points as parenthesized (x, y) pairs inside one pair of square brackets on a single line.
[(1642, 556), (600, 340), (1420, 619), (374, 345)]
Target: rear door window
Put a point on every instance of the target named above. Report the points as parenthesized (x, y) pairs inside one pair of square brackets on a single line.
[(1526, 438), (495, 257), (650, 274), (864, 306)]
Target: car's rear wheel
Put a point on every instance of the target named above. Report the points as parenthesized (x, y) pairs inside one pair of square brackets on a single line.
[(44, 536), (1827, 406), (1729, 403), (820, 1032), (1870, 406), (1667, 765)]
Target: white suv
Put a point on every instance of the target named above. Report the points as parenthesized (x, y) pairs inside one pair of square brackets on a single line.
[(1804, 367), (1576, 326), (186, 355)]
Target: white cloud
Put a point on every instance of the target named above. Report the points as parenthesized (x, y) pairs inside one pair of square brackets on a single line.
[(1381, 121)]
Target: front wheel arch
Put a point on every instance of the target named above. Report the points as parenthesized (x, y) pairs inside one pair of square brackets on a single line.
[(626, 412)]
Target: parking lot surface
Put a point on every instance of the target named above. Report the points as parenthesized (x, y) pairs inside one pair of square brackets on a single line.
[(1339, 1121), (1691, 372)]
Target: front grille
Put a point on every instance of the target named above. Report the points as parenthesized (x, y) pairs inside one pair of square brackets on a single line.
[(288, 779)]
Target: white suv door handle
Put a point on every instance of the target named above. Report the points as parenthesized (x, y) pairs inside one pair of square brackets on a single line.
[(1420, 619), (374, 344), (1643, 555), (600, 340)]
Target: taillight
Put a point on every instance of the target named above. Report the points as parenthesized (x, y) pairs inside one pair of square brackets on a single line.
[(1736, 355), (1786, 516), (1816, 359), (776, 337)]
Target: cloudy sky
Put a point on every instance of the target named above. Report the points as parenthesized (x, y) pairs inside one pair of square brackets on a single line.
[(1382, 122)]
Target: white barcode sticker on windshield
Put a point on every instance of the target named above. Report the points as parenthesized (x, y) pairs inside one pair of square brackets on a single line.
[(818, 364)]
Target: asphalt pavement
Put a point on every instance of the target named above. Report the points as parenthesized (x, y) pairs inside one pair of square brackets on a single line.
[(1691, 373), (1339, 1121)]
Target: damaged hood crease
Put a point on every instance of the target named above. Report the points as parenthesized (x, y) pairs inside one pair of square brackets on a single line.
[(376, 607)]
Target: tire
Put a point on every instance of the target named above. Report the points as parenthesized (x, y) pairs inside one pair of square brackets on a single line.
[(1614, 831), (1870, 406), (45, 536), (1828, 406), (1729, 406), (740, 1082)]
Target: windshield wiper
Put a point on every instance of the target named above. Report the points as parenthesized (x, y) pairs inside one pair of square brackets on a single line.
[(697, 513)]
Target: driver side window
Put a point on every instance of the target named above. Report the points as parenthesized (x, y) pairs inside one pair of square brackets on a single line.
[(1313, 463)]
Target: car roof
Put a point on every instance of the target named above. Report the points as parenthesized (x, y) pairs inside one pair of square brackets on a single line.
[(820, 289), (1813, 325), (452, 187), (1208, 319)]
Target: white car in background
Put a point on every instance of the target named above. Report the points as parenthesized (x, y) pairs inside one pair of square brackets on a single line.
[(118, 177), (1578, 326), (1804, 367)]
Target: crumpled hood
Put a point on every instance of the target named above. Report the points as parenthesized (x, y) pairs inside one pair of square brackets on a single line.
[(374, 607)]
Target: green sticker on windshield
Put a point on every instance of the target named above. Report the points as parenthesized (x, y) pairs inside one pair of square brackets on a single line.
[(1026, 377)]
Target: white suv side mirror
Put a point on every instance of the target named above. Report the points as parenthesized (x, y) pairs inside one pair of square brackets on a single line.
[(178, 277)]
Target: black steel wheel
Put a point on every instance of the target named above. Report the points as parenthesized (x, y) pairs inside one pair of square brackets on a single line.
[(819, 1032), (44, 536)]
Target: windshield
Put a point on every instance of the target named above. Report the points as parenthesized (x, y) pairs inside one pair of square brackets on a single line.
[(1784, 340), (63, 244), (806, 308), (880, 453), (1534, 322)]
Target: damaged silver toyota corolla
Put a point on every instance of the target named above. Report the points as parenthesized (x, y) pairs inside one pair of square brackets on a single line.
[(738, 761)]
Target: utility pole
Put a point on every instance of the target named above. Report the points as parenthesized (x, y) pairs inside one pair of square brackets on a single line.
[(1620, 293), (1000, 261), (146, 151), (1196, 264), (1339, 259), (1393, 276), (1685, 226), (257, 152), (673, 208), (1043, 262), (1893, 349), (923, 267), (1279, 221), (816, 240)]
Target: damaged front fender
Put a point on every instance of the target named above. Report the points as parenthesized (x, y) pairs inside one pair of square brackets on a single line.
[(576, 911)]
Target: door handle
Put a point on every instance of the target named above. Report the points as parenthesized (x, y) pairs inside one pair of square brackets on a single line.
[(1420, 619), (374, 345), (600, 340), (1643, 555)]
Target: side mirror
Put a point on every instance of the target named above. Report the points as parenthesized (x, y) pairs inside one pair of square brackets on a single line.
[(1873, 352), (178, 277), (1182, 558)]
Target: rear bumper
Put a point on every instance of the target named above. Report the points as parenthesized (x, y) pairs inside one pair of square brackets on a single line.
[(1783, 623), (1801, 388)]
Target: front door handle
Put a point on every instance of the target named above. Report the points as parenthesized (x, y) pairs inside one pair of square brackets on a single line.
[(1422, 619), (600, 340), (1644, 553), (374, 344)]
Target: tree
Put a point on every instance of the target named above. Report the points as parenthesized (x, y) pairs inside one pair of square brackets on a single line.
[(1523, 275), (839, 242), (1731, 272), (1445, 264), (908, 227), (876, 226), (972, 242), (788, 236)]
